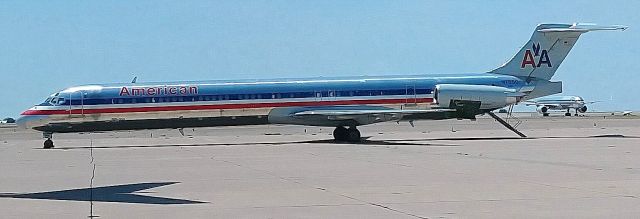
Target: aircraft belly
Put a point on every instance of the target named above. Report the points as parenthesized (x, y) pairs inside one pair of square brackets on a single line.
[(138, 124)]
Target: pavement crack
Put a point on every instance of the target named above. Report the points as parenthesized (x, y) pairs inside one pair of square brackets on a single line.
[(377, 205), (323, 189)]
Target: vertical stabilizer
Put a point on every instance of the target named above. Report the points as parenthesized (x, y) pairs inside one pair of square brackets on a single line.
[(544, 52)]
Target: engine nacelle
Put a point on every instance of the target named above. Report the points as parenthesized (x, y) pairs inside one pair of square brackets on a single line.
[(490, 97), (542, 109), (582, 109)]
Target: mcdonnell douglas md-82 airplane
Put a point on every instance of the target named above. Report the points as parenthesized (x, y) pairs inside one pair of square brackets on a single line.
[(344, 103)]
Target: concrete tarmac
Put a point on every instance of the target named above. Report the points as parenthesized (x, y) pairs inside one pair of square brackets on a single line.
[(568, 167)]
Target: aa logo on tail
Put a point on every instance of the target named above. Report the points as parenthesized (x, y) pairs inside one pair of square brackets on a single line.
[(530, 58)]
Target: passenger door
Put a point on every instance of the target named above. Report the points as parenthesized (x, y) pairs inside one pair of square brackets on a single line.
[(76, 106)]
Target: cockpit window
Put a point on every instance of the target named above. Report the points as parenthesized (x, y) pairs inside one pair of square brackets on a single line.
[(56, 100)]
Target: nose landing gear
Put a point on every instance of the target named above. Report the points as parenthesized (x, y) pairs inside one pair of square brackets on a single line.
[(48, 144)]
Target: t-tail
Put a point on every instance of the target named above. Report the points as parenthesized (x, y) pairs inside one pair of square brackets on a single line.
[(544, 52)]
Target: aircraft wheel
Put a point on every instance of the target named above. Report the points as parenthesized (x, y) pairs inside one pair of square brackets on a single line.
[(567, 114), (48, 144), (353, 135), (545, 114), (340, 133)]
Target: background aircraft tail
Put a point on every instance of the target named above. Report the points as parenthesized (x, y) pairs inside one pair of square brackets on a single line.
[(544, 52)]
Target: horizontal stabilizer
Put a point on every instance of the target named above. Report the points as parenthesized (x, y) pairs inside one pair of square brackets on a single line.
[(580, 27)]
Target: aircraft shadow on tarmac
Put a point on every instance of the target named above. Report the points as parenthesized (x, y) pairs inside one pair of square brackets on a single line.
[(365, 141), (518, 138), (126, 193)]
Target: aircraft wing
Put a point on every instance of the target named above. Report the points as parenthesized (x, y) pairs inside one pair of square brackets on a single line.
[(548, 105), (363, 115), (557, 106)]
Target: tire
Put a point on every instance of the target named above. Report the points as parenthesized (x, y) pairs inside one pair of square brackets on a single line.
[(340, 133), (353, 135), (567, 114), (48, 144), (545, 114)]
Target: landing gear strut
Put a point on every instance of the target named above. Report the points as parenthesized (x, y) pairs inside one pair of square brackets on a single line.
[(568, 113), (48, 144), (351, 134)]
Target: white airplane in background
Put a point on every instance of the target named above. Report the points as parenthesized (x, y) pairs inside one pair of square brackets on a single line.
[(544, 104)]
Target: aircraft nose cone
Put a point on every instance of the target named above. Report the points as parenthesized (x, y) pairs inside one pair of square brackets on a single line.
[(21, 122), (29, 121)]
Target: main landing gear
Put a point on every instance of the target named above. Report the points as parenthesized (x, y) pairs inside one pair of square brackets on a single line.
[(350, 134), (48, 144), (569, 113)]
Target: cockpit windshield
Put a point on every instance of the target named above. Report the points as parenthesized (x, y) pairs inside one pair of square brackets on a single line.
[(55, 100)]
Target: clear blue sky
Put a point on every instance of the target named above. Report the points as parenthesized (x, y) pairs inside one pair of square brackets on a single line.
[(49, 45)]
